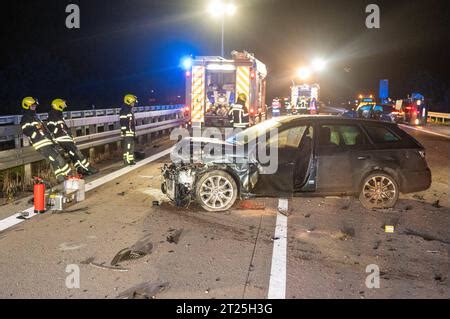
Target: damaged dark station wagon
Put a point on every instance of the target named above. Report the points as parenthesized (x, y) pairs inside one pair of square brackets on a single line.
[(316, 155)]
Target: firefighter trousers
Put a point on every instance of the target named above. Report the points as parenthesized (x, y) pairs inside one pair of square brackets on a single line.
[(59, 166), (128, 150), (78, 159)]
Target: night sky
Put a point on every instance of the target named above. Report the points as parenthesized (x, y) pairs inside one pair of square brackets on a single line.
[(136, 46)]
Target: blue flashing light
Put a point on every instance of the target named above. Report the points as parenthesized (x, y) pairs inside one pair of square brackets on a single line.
[(187, 63)]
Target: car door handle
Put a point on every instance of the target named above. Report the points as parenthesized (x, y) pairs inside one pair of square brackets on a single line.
[(361, 158)]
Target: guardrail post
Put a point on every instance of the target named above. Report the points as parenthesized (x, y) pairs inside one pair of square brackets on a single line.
[(91, 154)]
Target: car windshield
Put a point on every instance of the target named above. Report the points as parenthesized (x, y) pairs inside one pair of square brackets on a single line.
[(243, 137)]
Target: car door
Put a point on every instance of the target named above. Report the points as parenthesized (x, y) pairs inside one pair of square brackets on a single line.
[(338, 147), (288, 154)]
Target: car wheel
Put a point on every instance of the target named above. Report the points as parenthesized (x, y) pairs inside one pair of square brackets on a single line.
[(379, 190), (216, 191)]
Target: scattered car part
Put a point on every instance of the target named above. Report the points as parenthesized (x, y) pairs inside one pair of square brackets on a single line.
[(140, 249), (145, 290), (174, 237)]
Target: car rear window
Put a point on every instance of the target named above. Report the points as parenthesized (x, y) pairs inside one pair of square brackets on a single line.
[(381, 134)]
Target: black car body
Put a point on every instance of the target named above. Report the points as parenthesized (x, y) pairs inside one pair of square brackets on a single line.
[(317, 155)]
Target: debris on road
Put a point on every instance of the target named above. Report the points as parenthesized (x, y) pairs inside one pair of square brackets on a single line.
[(346, 233), (121, 194), (140, 249), (436, 204), (23, 215), (424, 236), (90, 261), (174, 236), (388, 228), (419, 197), (145, 290)]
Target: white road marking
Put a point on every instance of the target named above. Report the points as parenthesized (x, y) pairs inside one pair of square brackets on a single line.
[(424, 130), (13, 220), (277, 283)]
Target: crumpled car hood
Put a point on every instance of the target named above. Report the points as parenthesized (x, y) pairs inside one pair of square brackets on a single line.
[(208, 150)]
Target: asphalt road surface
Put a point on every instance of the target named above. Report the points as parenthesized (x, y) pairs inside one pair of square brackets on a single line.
[(321, 250)]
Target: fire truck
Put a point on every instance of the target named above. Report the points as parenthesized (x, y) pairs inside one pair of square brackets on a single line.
[(213, 84), (303, 96)]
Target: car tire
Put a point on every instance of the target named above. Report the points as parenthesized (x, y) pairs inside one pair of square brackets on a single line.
[(379, 190), (216, 191)]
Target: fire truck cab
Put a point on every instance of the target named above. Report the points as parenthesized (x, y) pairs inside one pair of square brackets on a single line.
[(213, 84)]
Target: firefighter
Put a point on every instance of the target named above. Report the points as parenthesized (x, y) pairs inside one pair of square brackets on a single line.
[(128, 128), (239, 113), (61, 134), (41, 139)]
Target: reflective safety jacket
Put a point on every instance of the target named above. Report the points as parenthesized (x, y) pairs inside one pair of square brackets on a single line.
[(239, 116), (58, 127), (35, 130), (127, 122)]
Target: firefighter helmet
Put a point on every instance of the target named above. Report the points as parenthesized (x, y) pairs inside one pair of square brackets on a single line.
[(59, 104), (242, 96), (28, 102), (130, 99)]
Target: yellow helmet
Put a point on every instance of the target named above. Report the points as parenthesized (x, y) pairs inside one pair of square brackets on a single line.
[(129, 99), (59, 104), (242, 96), (29, 101)]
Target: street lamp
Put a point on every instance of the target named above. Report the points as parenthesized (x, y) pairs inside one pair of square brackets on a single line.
[(218, 8), (318, 64), (304, 73)]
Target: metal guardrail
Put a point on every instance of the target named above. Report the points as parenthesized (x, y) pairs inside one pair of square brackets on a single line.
[(85, 127), (436, 115)]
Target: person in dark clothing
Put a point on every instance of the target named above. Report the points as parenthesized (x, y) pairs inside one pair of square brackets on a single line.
[(41, 139), (238, 113), (128, 128), (61, 134)]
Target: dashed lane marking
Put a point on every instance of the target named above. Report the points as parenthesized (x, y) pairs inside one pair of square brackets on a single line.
[(277, 283)]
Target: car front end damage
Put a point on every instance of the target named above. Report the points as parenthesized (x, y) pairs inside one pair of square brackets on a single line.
[(180, 180), (186, 178)]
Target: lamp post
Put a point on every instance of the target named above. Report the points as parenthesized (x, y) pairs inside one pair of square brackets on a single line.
[(220, 9)]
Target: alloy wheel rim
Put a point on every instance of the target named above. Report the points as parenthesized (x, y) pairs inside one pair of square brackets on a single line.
[(216, 192), (379, 190)]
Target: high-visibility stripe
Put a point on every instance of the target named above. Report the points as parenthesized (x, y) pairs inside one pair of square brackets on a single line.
[(198, 94), (33, 135), (26, 125), (38, 147), (64, 139), (243, 82)]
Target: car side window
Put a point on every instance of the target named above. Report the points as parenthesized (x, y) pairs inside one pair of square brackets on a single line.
[(340, 135), (288, 138), (380, 134)]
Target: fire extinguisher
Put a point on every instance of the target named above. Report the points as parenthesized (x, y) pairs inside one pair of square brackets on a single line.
[(39, 195)]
